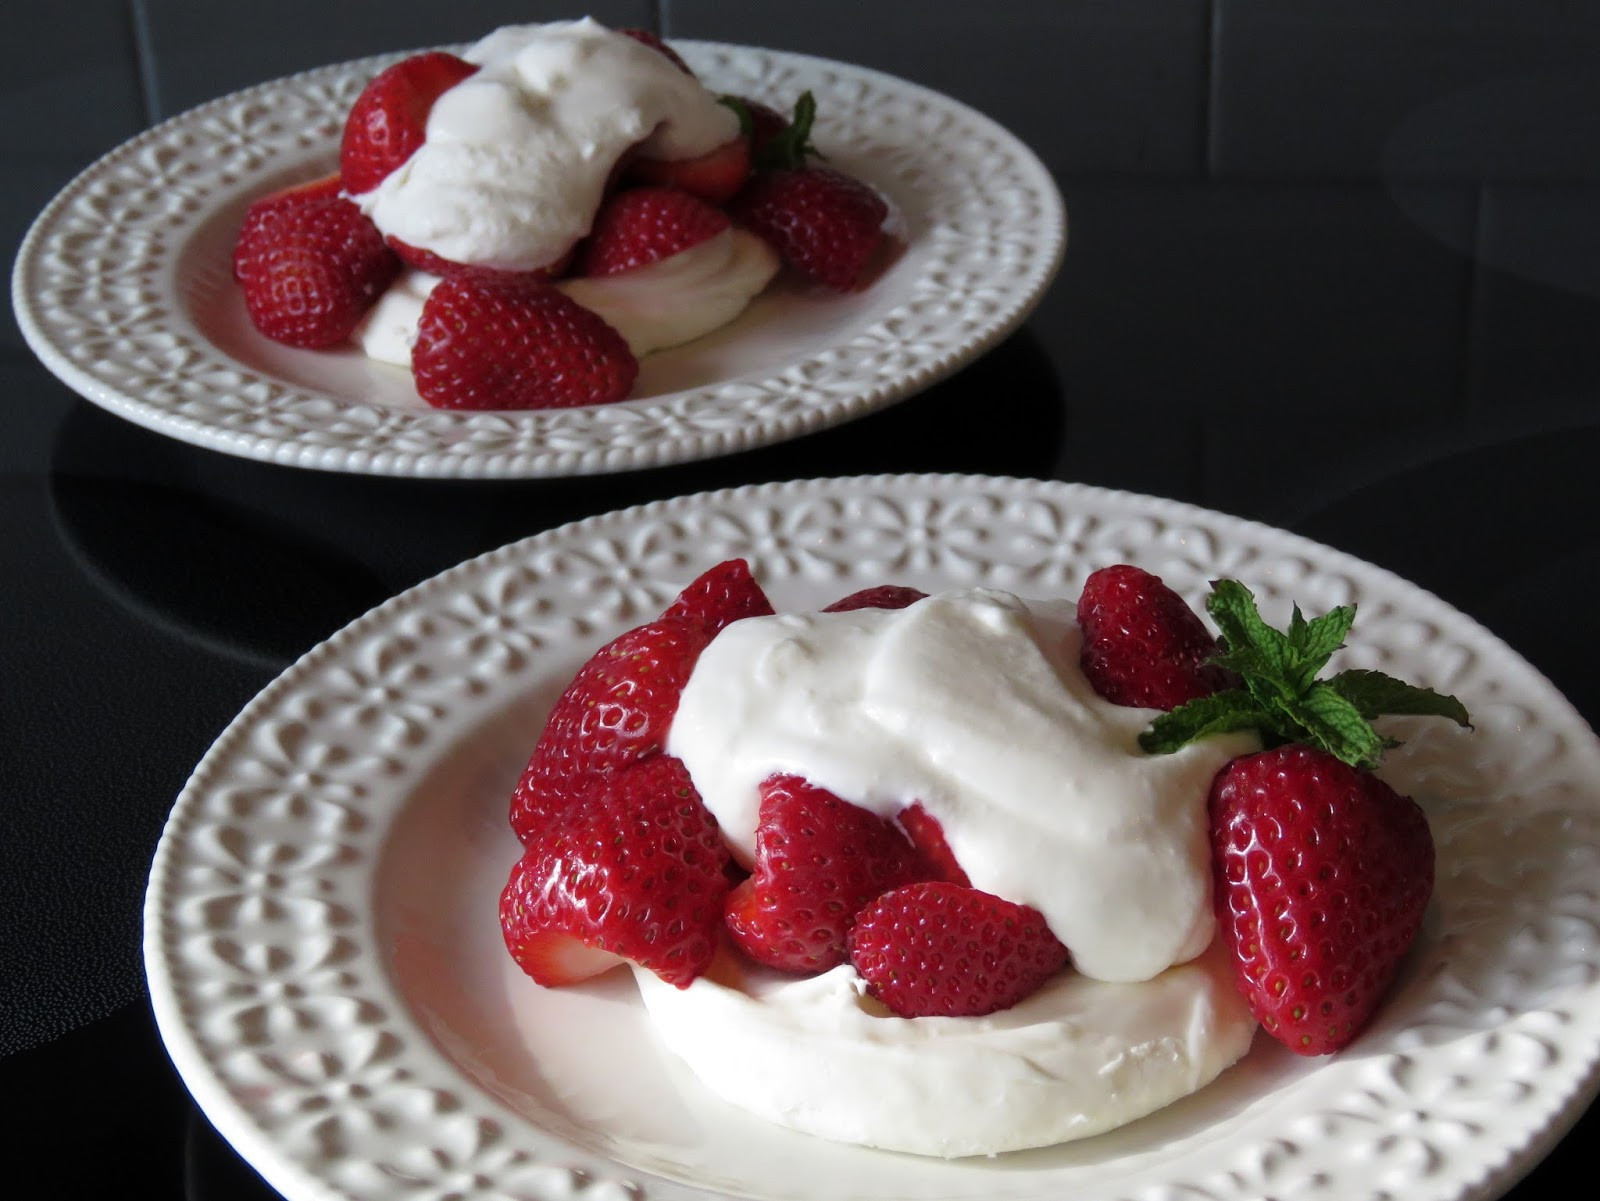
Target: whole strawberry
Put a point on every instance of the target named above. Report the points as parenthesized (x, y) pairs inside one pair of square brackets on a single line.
[(1323, 873), (635, 872), (616, 712), (515, 343), (824, 224), (310, 265), (819, 859), (724, 593), (1142, 644), (388, 121), (640, 226), (938, 949)]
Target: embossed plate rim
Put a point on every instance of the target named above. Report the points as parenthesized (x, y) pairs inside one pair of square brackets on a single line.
[(238, 409), (930, 530)]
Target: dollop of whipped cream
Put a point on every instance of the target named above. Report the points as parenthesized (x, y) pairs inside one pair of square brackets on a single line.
[(973, 704), (517, 156), (1076, 1058)]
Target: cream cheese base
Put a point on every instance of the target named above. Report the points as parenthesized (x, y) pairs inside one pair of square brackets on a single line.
[(1077, 1058)]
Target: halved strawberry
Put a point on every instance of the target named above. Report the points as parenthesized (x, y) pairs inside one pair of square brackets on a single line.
[(388, 121), (927, 835), (310, 265), (713, 176), (514, 343), (936, 949), (819, 859), (640, 226), (884, 596), (720, 595), (616, 712), (634, 872)]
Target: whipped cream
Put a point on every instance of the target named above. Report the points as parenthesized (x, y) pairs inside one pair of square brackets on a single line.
[(1076, 1058), (654, 307), (973, 704), (518, 155)]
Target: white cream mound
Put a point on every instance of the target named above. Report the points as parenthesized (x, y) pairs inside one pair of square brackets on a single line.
[(665, 304), (1075, 1059)]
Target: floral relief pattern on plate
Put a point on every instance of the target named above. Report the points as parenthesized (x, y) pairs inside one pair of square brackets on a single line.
[(124, 290), (326, 970)]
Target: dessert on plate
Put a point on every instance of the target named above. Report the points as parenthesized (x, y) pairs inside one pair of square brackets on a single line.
[(963, 874), (518, 225)]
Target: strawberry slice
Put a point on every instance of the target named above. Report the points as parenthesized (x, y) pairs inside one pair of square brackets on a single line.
[(819, 859), (937, 949), (721, 595), (634, 873), (884, 596), (927, 835), (713, 176), (616, 712), (388, 121), (640, 226), (1142, 645), (514, 343), (310, 265), (434, 264)]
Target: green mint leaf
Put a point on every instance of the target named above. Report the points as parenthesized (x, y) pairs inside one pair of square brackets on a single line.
[(1220, 713), (791, 147), (1259, 653), (1376, 694), (1338, 727), (1315, 641), (747, 124)]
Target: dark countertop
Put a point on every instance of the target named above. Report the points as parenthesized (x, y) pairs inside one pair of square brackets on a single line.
[(1332, 267)]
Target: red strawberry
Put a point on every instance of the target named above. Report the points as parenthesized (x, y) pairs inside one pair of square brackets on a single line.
[(641, 226), (646, 38), (1322, 875), (937, 949), (433, 264), (766, 125), (723, 594), (713, 176), (635, 873), (819, 859), (616, 711), (389, 119), (310, 265), (884, 596), (927, 835), (1142, 645), (515, 343), (824, 224)]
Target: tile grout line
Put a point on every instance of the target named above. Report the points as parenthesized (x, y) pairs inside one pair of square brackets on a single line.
[(144, 60), (1210, 85)]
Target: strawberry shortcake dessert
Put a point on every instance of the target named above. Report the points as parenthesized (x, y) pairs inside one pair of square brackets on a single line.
[(964, 874), (519, 224)]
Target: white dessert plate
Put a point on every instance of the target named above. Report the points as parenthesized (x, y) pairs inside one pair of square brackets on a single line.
[(326, 967), (123, 288)]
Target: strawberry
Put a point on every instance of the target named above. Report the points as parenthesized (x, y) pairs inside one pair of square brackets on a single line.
[(646, 38), (515, 343), (723, 594), (634, 873), (713, 176), (434, 264), (640, 226), (823, 223), (1142, 645), (616, 712), (937, 949), (760, 123), (1322, 871), (388, 121), (819, 859), (884, 596), (310, 265), (927, 835), (1322, 875)]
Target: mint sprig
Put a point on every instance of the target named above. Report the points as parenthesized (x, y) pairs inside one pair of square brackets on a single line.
[(790, 148), (1281, 696)]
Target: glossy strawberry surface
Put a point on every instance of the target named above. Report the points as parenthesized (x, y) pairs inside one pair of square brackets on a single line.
[(1142, 644)]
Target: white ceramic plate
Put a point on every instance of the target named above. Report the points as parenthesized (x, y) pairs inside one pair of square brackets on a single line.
[(123, 289), (326, 966)]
